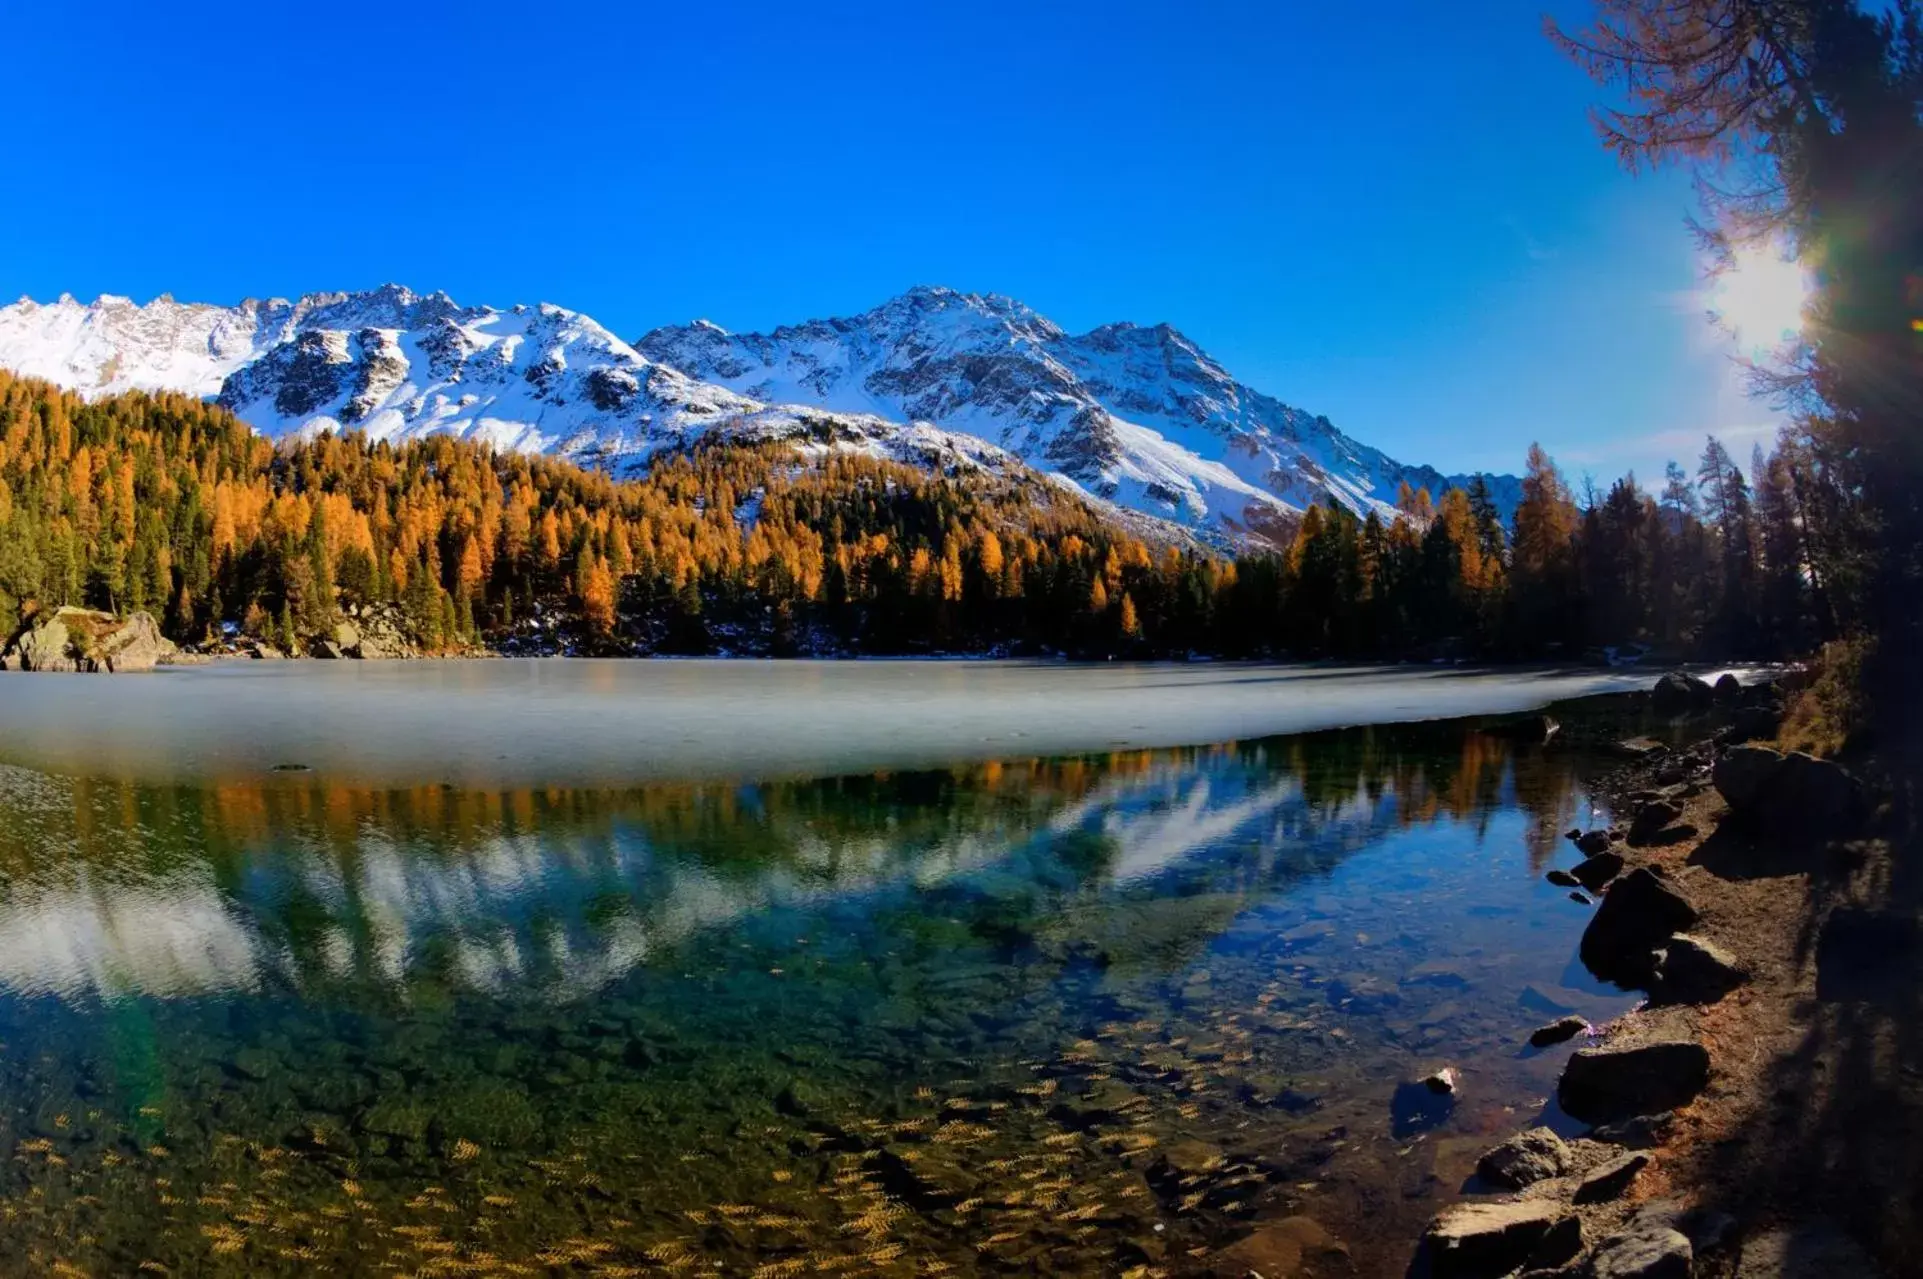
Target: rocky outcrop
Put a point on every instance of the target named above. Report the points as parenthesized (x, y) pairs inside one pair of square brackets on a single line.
[(1600, 1085), (1638, 914), (78, 639)]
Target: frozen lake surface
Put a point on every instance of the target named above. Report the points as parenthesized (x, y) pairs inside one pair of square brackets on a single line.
[(581, 723)]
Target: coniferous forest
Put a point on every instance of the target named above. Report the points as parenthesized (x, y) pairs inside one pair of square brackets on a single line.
[(166, 505)]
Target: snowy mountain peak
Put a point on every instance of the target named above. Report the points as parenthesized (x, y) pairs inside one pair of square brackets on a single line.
[(1138, 415)]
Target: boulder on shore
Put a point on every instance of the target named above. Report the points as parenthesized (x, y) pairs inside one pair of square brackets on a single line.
[(1589, 843), (1638, 913), (1484, 1240), (1788, 795), (1595, 871), (1600, 1085), (1653, 818), (1524, 1159), (1558, 1031), (1680, 691), (1648, 1252), (79, 639), (1691, 970)]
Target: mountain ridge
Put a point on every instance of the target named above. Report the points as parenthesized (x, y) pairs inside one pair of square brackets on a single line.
[(1138, 415)]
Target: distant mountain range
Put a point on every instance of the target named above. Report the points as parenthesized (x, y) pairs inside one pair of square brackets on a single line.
[(1141, 417)]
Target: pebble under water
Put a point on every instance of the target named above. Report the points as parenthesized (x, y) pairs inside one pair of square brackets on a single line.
[(1100, 1014)]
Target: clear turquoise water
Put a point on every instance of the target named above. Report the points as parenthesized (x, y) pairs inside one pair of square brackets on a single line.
[(1092, 1014)]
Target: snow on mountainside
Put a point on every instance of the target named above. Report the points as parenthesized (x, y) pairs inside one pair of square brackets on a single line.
[(397, 365), (1140, 415)]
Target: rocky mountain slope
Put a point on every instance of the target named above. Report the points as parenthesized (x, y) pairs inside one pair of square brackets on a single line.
[(1139, 416)]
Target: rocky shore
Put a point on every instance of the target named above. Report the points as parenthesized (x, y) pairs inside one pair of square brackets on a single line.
[(1717, 895), (79, 639)]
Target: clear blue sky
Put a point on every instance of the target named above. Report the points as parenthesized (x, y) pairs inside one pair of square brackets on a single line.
[(1393, 214)]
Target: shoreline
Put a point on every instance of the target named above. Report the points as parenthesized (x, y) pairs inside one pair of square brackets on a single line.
[(1748, 1174)]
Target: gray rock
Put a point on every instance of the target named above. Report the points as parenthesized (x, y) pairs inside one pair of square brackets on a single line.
[(1638, 913), (1649, 1252), (78, 639), (1609, 1083), (1557, 1032), (1524, 1159), (134, 644), (1727, 688), (1692, 970), (1563, 879), (1609, 1180), (1595, 871), (1484, 1240), (46, 646)]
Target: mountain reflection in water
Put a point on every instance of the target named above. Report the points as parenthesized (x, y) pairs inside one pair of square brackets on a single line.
[(836, 1022)]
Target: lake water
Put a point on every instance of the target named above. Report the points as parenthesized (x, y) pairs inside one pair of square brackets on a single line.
[(871, 968)]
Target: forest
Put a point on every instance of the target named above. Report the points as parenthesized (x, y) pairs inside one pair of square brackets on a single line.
[(163, 504)]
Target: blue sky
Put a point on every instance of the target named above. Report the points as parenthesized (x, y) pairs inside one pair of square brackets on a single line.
[(1394, 215)]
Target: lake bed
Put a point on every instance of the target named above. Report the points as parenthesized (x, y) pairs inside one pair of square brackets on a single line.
[(464, 996)]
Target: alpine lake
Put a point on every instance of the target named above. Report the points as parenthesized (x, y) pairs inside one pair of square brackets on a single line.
[(546, 968)]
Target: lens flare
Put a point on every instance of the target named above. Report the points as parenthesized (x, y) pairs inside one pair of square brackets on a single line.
[(1759, 298)]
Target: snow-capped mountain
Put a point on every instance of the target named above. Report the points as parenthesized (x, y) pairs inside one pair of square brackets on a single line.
[(397, 365), (1139, 415)]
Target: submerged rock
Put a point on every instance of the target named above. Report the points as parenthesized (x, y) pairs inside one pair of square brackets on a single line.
[(1563, 879), (1525, 1159), (1422, 1103), (1293, 1246), (1609, 1083)]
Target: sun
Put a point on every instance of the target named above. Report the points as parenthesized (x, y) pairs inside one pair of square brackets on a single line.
[(1759, 298)]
